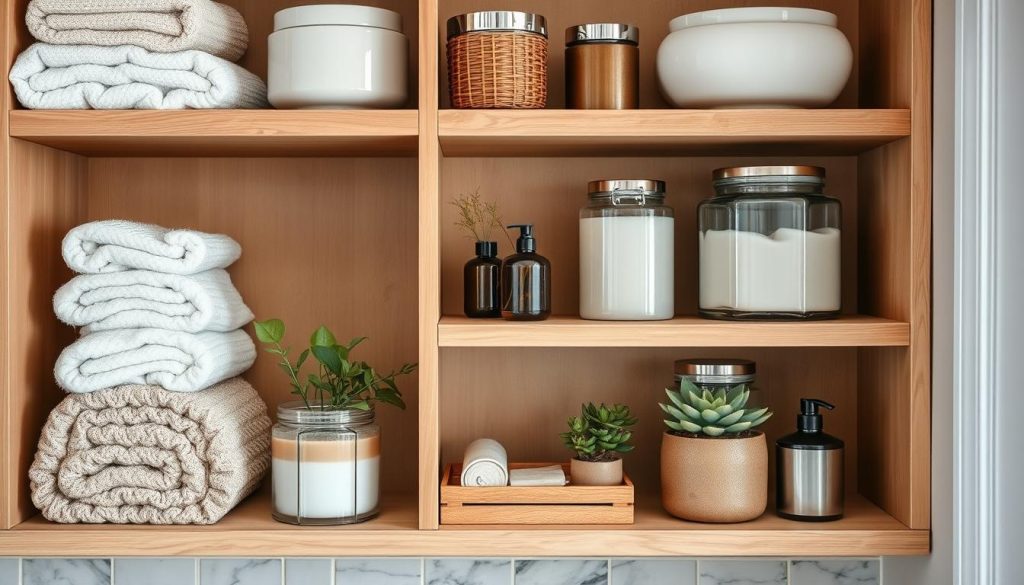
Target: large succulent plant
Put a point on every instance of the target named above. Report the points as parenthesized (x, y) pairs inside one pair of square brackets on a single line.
[(702, 412), (600, 433)]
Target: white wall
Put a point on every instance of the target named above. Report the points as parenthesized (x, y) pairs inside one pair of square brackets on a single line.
[(1009, 305)]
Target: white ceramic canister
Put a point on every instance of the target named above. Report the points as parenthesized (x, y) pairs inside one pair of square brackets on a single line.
[(754, 57), (337, 56)]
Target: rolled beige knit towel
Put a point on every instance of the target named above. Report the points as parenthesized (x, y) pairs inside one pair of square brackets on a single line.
[(165, 26), (143, 455)]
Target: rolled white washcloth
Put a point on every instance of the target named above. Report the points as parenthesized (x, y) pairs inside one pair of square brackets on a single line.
[(485, 464), (537, 476)]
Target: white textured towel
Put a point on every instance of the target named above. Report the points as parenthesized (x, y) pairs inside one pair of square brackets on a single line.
[(165, 26), (115, 245), (140, 298), (78, 77), (537, 476), (177, 361), (139, 454), (485, 464)]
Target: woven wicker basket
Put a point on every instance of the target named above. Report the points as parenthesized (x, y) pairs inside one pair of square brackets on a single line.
[(501, 69)]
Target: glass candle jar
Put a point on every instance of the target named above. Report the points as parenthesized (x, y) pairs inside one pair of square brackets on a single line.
[(770, 245), (627, 252), (713, 374), (325, 465), (602, 66)]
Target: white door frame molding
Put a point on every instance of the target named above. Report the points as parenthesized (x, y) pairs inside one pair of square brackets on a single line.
[(975, 278)]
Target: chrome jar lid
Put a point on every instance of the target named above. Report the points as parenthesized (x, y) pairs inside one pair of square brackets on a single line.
[(495, 21), (606, 187), (602, 32), (319, 414), (771, 175), (715, 367)]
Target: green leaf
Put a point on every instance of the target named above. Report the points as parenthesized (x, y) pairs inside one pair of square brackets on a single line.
[(322, 337), (740, 401), (269, 331), (727, 420), (328, 357), (675, 397), (302, 359), (360, 405), (699, 402), (735, 392), (753, 415), (738, 427), (723, 410), (713, 431), (689, 426), (760, 420), (710, 415), (674, 425), (354, 342)]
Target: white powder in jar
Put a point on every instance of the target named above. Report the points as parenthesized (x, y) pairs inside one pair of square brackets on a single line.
[(791, 271)]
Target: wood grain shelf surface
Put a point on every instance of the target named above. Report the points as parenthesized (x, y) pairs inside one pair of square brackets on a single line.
[(486, 133), (685, 331), (281, 133), (249, 531)]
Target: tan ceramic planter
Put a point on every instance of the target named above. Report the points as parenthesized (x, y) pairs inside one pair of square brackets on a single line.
[(714, 480), (595, 472)]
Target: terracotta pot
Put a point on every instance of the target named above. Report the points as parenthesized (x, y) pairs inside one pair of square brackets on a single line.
[(595, 472), (714, 480)]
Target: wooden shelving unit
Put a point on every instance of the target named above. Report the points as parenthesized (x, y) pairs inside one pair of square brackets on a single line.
[(249, 531), (345, 219), (667, 132), (849, 331), (221, 132)]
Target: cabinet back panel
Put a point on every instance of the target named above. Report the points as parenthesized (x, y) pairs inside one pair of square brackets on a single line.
[(522, 397), (325, 241), (549, 192)]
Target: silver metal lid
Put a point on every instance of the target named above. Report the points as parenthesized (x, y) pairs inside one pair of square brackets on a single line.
[(602, 32), (715, 367), (769, 171), (318, 414), (497, 20), (603, 186)]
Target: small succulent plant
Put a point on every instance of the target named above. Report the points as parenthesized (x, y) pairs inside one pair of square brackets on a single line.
[(702, 412), (600, 433)]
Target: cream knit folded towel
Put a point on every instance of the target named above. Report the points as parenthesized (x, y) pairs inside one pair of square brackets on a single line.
[(140, 298), (164, 26), (140, 454), (80, 77), (114, 245), (177, 361)]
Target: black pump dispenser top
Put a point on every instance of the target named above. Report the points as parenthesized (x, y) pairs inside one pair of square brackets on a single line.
[(809, 421), (525, 243), (486, 249)]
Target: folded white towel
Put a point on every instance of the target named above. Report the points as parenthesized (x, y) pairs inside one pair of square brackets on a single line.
[(140, 298), (485, 464), (177, 361), (165, 26), (77, 77), (114, 245), (537, 476)]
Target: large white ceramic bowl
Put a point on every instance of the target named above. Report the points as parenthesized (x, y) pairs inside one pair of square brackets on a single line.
[(337, 56), (754, 57)]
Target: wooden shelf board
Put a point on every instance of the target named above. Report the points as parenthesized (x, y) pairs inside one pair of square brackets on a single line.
[(249, 531), (488, 133), (686, 331), (281, 133)]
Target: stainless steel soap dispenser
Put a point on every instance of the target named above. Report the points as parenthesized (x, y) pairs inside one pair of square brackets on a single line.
[(809, 469)]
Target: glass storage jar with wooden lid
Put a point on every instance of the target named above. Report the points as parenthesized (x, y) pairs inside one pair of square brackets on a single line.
[(770, 245)]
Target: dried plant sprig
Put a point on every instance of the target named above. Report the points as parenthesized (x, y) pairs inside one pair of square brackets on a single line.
[(478, 217)]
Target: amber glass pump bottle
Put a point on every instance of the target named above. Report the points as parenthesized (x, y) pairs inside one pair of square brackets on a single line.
[(525, 280), (482, 282)]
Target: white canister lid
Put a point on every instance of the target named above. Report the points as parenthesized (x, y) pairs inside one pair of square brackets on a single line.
[(337, 15)]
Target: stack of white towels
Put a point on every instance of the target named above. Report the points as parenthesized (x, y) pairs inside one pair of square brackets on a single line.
[(157, 427), (135, 54), (155, 307)]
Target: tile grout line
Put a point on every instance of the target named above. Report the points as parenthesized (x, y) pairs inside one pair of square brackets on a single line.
[(197, 575), (112, 573), (334, 571)]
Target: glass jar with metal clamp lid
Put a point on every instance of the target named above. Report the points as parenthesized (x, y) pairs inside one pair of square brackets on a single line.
[(627, 251), (325, 464)]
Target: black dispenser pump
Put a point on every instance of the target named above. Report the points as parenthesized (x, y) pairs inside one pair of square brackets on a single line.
[(809, 421), (525, 243)]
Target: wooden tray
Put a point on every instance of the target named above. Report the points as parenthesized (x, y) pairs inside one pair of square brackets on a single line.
[(533, 505)]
